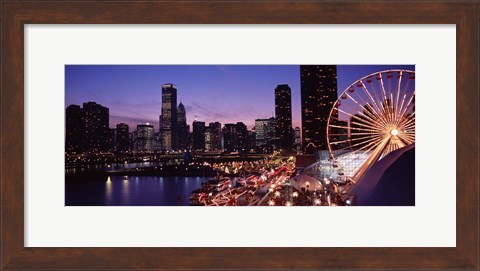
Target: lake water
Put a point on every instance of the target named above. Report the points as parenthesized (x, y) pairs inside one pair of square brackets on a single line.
[(132, 191)]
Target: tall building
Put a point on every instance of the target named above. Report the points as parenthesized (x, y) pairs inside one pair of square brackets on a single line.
[(183, 133), (318, 94), (169, 117), (228, 137), (198, 136), (144, 140), (157, 141), (283, 118), (73, 129), (265, 134), (122, 137), (213, 136), (297, 143), (96, 129), (240, 137), (251, 140)]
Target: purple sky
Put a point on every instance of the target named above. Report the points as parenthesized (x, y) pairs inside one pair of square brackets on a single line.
[(224, 93)]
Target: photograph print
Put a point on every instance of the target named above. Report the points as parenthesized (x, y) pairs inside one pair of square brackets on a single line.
[(240, 135)]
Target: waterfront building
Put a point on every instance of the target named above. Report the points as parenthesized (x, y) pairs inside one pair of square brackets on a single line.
[(213, 136), (228, 136), (111, 139), (265, 134), (157, 141), (198, 135), (144, 140), (183, 136), (283, 118), (240, 137), (73, 129), (318, 94), (169, 119), (251, 140), (122, 140), (96, 131)]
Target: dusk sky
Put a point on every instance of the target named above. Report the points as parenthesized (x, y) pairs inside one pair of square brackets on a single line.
[(223, 93)]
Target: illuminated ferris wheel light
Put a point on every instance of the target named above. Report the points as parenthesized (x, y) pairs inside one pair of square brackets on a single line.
[(372, 117)]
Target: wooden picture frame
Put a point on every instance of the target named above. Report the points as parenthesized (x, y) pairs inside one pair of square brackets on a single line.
[(464, 14)]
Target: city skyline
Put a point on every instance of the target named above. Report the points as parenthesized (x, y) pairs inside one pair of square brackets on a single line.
[(225, 93)]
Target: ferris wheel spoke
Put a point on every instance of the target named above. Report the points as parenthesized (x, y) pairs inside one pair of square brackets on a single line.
[(372, 128), (362, 129), (408, 140), (407, 120), (374, 105), (382, 86), (364, 111), (408, 124), (397, 95), (359, 117), (364, 144), (400, 110), (409, 105), (378, 96), (368, 121), (404, 94)]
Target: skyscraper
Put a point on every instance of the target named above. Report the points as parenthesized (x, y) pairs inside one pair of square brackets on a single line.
[(73, 129), (97, 133), (213, 136), (144, 140), (122, 137), (318, 94), (169, 117), (283, 118), (265, 134), (183, 135), (228, 136), (240, 137), (198, 136)]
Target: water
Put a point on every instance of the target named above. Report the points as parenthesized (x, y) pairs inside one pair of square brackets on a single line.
[(131, 191)]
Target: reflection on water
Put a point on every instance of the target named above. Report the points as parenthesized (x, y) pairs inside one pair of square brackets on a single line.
[(108, 191), (131, 191)]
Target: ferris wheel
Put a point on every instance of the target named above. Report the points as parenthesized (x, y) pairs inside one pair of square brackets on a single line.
[(372, 117)]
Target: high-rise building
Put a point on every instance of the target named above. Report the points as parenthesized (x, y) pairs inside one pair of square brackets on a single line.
[(97, 133), (228, 137), (265, 134), (198, 136), (157, 141), (169, 117), (283, 118), (73, 129), (122, 140), (318, 94), (240, 137), (183, 133), (144, 140), (251, 140), (213, 136)]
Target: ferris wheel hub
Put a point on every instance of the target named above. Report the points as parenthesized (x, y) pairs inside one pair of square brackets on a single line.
[(394, 132)]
